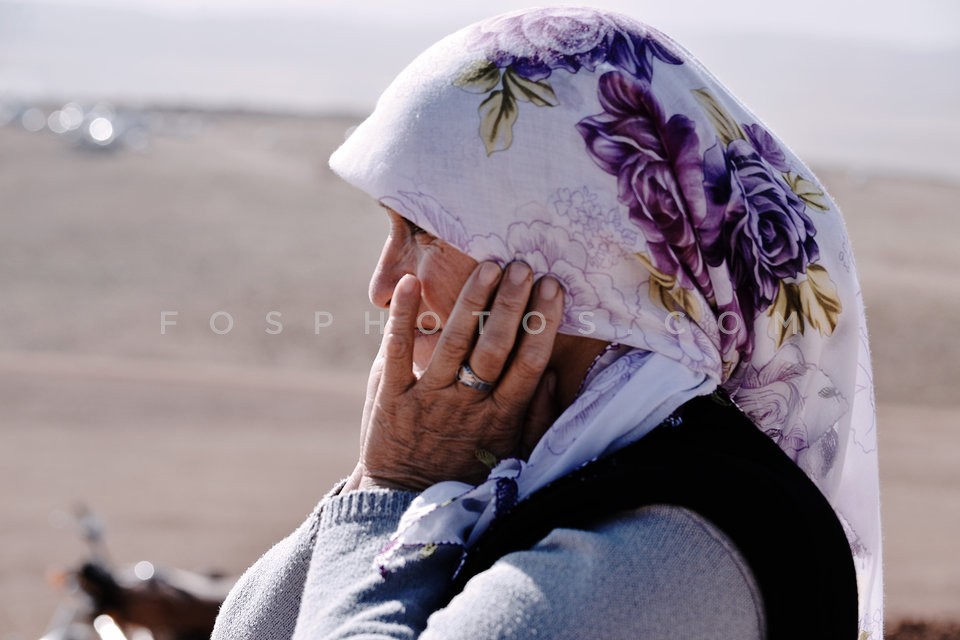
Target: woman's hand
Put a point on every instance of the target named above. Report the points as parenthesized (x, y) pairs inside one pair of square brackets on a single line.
[(416, 433)]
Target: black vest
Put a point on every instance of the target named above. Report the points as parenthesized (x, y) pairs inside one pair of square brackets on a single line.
[(708, 457)]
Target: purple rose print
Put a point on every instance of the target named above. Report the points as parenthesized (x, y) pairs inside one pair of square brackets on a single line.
[(679, 338), (565, 432), (635, 54), (547, 248), (580, 207), (765, 235), (603, 232), (787, 387), (521, 51), (535, 43), (767, 146), (771, 405), (659, 173)]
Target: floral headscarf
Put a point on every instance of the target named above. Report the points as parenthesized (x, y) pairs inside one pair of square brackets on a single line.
[(595, 149)]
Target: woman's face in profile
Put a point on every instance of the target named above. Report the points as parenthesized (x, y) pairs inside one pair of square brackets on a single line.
[(441, 269)]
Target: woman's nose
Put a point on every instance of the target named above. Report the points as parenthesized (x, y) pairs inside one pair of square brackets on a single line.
[(390, 268)]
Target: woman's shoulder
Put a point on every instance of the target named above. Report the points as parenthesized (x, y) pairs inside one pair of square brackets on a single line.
[(733, 491), (669, 537), (655, 571), (265, 600), (670, 563)]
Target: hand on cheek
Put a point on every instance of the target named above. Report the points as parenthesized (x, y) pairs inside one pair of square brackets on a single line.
[(417, 432)]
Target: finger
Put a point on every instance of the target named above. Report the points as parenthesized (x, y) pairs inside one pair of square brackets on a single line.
[(538, 332), (398, 373), (541, 413), (460, 329), (499, 335)]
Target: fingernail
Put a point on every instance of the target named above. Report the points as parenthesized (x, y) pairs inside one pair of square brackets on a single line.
[(488, 273), (517, 272), (549, 288)]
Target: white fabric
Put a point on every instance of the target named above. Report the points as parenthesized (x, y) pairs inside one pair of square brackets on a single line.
[(621, 405), (597, 150)]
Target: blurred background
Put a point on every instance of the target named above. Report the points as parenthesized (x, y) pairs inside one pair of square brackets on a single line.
[(184, 327)]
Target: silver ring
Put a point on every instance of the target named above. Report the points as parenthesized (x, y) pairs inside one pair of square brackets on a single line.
[(466, 376)]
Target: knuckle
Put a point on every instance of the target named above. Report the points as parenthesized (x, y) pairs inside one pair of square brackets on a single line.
[(474, 298), (542, 326), (458, 337), (534, 354), (509, 408), (497, 336), (396, 344), (400, 318), (475, 294), (487, 353), (552, 310), (528, 367), (511, 302)]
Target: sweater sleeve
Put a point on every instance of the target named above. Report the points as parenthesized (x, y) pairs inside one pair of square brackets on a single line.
[(265, 601), (659, 571)]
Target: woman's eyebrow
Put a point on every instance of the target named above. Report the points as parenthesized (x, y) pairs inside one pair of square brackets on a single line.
[(414, 227)]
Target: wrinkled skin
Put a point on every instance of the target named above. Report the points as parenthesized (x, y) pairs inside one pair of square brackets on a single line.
[(420, 430)]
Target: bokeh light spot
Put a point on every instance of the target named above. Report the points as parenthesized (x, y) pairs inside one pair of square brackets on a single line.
[(33, 120), (144, 570), (101, 130)]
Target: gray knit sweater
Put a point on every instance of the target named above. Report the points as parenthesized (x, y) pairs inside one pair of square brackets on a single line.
[(656, 572)]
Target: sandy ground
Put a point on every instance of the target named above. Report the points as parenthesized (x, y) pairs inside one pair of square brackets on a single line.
[(199, 450)]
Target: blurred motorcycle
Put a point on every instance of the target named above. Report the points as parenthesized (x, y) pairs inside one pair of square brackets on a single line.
[(138, 602)]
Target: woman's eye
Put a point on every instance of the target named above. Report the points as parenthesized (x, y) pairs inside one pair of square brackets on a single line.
[(415, 230)]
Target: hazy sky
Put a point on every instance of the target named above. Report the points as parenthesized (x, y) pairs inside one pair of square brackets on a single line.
[(851, 82), (914, 23)]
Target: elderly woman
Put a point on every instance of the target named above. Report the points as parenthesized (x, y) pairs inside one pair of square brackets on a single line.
[(625, 387)]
